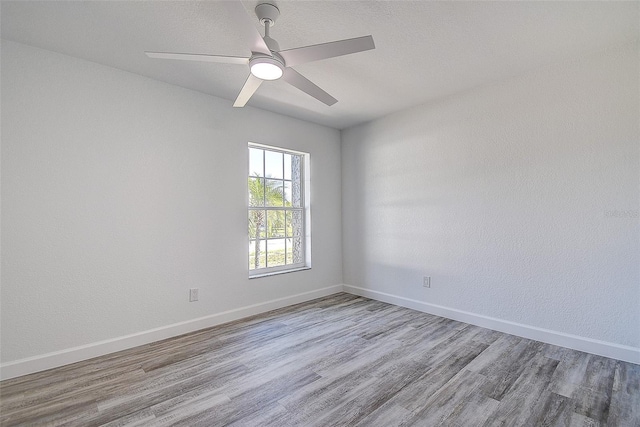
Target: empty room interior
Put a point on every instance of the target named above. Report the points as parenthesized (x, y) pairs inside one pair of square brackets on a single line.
[(320, 213)]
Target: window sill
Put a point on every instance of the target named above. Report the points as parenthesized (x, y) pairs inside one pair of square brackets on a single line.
[(275, 273)]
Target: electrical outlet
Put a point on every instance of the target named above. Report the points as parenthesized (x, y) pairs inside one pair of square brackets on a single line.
[(193, 294), (426, 281)]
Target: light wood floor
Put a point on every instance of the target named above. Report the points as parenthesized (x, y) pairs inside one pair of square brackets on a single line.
[(336, 361)]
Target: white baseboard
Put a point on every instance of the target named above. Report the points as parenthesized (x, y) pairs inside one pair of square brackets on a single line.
[(76, 354), (588, 345)]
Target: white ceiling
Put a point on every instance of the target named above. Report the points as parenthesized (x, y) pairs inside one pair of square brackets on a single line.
[(424, 50)]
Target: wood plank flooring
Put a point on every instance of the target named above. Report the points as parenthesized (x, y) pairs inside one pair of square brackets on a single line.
[(342, 360)]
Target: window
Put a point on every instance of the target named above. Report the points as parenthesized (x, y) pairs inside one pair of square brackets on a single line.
[(278, 213)]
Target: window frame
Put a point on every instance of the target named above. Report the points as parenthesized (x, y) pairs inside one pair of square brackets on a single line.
[(304, 209)]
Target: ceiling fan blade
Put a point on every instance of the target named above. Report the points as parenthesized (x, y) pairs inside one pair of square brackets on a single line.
[(250, 86), (199, 57), (242, 19), (296, 79), (316, 52)]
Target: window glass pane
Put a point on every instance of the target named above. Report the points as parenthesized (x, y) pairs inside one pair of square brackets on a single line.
[(275, 224), (273, 164), (288, 219), (253, 224), (298, 252), (296, 183), (296, 194), (275, 252), (289, 251), (256, 165), (287, 193), (274, 192), (256, 191), (257, 254), (257, 225), (296, 223), (287, 166)]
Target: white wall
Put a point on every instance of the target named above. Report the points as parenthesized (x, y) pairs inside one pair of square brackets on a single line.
[(520, 200), (120, 192)]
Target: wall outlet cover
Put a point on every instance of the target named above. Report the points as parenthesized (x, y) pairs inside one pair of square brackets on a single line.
[(426, 281)]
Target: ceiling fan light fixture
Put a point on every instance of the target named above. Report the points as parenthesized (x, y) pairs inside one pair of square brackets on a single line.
[(267, 61), (266, 68)]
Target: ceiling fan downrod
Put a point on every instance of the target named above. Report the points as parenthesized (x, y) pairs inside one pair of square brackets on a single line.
[(267, 15)]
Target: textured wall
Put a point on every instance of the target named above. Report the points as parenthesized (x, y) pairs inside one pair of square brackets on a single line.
[(120, 192), (520, 199)]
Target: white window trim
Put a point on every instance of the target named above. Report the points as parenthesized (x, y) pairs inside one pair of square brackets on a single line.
[(306, 215)]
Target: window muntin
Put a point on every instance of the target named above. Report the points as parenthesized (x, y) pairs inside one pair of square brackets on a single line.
[(276, 213)]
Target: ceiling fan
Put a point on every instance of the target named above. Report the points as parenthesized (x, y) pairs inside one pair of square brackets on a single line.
[(267, 61)]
